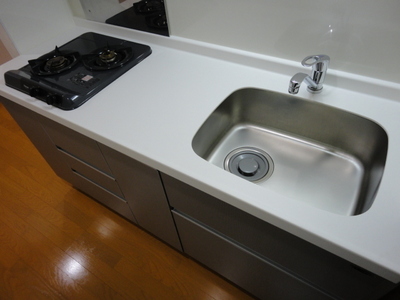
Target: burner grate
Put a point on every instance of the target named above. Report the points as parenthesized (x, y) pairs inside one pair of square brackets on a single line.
[(106, 58), (149, 6), (157, 20), (54, 62)]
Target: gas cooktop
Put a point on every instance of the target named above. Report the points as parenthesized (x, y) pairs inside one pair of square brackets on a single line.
[(145, 15), (71, 74)]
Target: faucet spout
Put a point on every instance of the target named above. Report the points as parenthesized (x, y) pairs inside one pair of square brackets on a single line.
[(297, 79), (315, 80)]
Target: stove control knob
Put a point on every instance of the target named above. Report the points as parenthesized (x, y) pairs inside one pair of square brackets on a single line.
[(52, 99), (35, 92)]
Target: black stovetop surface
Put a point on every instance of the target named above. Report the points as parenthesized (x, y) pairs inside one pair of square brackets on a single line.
[(71, 88), (145, 15)]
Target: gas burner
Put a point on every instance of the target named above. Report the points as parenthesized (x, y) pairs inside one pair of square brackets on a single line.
[(144, 15), (107, 58), (149, 6), (54, 62), (157, 20)]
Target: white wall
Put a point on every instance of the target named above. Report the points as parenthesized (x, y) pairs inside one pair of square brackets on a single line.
[(30, 22), (361, 36)]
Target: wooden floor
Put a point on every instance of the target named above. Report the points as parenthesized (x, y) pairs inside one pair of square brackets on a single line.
[(57, 243)]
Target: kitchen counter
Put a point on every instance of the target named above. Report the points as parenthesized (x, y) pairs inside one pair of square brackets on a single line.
[(152, 112)]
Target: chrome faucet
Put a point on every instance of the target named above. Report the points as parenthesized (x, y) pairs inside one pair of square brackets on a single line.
[(315, 80)]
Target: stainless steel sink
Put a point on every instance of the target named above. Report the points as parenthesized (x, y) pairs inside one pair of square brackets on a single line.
[(311, 152)]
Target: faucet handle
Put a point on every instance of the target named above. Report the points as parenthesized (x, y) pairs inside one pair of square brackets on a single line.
[(320, 61)]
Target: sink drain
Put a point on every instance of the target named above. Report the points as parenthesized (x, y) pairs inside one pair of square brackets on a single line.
[(249, 163)]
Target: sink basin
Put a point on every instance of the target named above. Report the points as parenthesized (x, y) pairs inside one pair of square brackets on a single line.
[(305, 150)]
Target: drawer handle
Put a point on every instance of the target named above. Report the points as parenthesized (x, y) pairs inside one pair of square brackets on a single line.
[(96, 184)]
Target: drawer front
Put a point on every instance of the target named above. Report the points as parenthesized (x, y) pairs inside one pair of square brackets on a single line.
[(100, 178), (254, 274), (144, 192), (102, 195), (322, 268), (76, 144)]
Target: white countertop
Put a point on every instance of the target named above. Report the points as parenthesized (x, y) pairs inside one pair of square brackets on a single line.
[(152, 112)]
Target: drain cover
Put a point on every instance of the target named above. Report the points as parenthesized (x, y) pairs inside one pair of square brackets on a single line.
[(249, 163)]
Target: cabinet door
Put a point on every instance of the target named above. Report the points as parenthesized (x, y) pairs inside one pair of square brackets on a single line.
[(144, 192), (315, 265)]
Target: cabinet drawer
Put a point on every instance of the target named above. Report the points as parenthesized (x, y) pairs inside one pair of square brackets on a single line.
[(102, 195), (145, 195), (254, 274), (322, 268), (95, 175), (76, 144)]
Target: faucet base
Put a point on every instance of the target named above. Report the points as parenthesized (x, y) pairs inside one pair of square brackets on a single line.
[(314, 90)]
